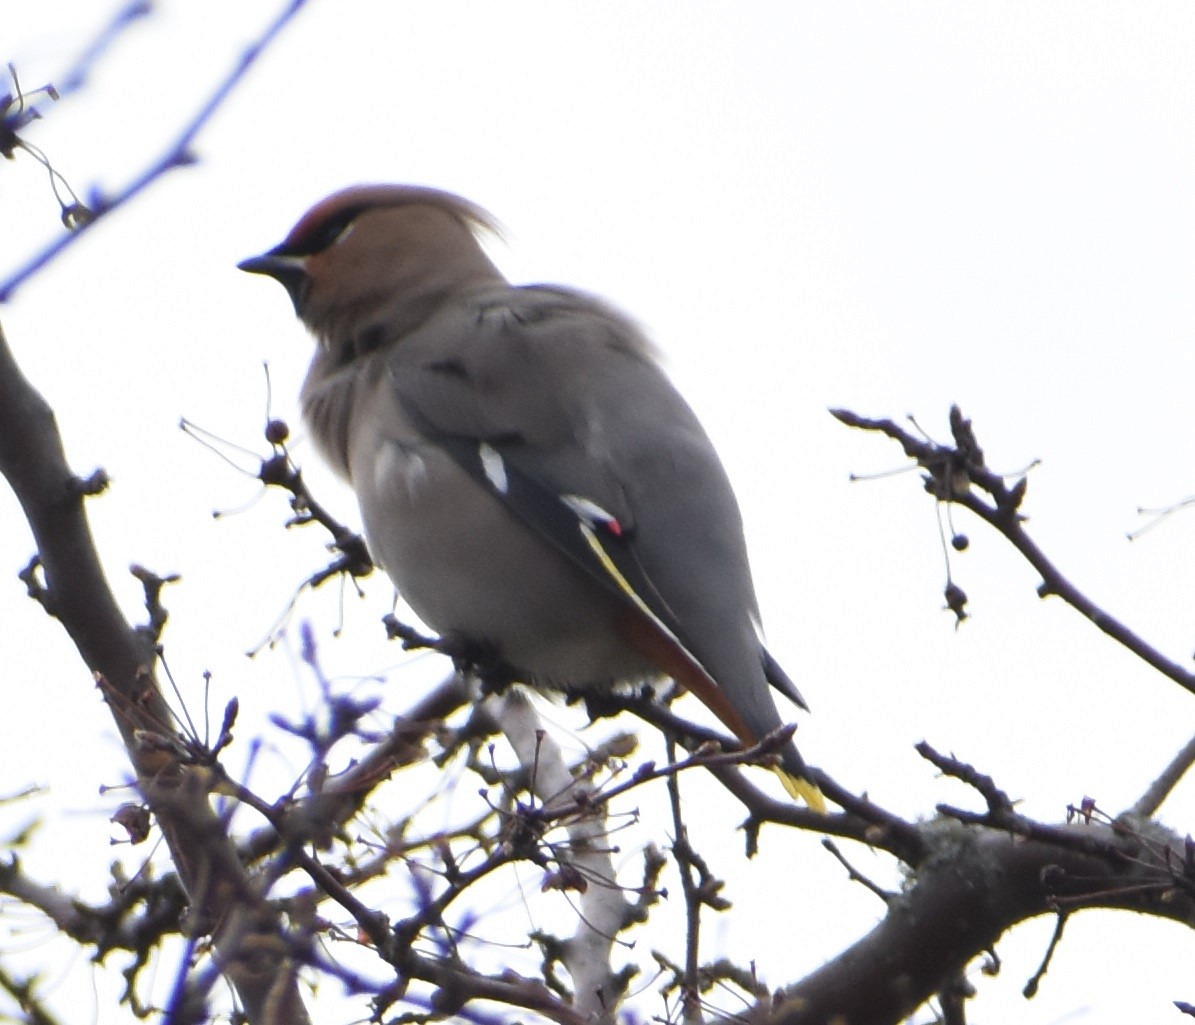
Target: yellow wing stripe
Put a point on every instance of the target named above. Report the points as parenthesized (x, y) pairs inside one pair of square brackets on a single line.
[(799, 789), (603, 556)]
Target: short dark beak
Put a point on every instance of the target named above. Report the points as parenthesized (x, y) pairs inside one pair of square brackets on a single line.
[(289, 271)]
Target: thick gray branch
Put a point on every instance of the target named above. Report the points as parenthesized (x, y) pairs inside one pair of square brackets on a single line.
[(977, 884), (122, 660)]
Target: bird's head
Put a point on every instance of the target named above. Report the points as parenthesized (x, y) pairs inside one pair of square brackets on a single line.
[(379, 256)]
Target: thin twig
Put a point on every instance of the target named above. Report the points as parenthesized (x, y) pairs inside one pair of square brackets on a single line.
[(178, 154), (1031, 987), (954, 475), (1148, 803), (686, 864), (953, 998), (861, 820), (854, 875)]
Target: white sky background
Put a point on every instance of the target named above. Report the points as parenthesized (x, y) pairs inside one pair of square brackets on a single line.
[(886, 207)]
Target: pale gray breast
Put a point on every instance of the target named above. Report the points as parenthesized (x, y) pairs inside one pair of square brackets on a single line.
[(468, 567)]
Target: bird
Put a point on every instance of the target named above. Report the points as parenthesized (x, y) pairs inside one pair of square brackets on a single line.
[(528, 475)]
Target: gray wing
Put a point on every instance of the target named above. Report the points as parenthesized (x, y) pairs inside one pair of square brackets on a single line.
[(559, 400)]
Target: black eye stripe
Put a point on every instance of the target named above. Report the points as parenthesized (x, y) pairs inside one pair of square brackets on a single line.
[(320, 236)]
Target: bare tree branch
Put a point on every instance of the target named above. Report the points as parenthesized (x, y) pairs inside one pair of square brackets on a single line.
[(960, 474), (177, 154), (976, 886), (1162, 787), (122, 661)]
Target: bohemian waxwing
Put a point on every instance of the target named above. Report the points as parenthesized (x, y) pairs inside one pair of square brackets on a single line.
[(528, 476)]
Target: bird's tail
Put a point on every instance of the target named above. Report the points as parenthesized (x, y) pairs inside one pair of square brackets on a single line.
[(801, 789), (795, 777)]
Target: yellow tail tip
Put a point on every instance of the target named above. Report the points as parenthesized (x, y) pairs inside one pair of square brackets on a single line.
[(803, 790)]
